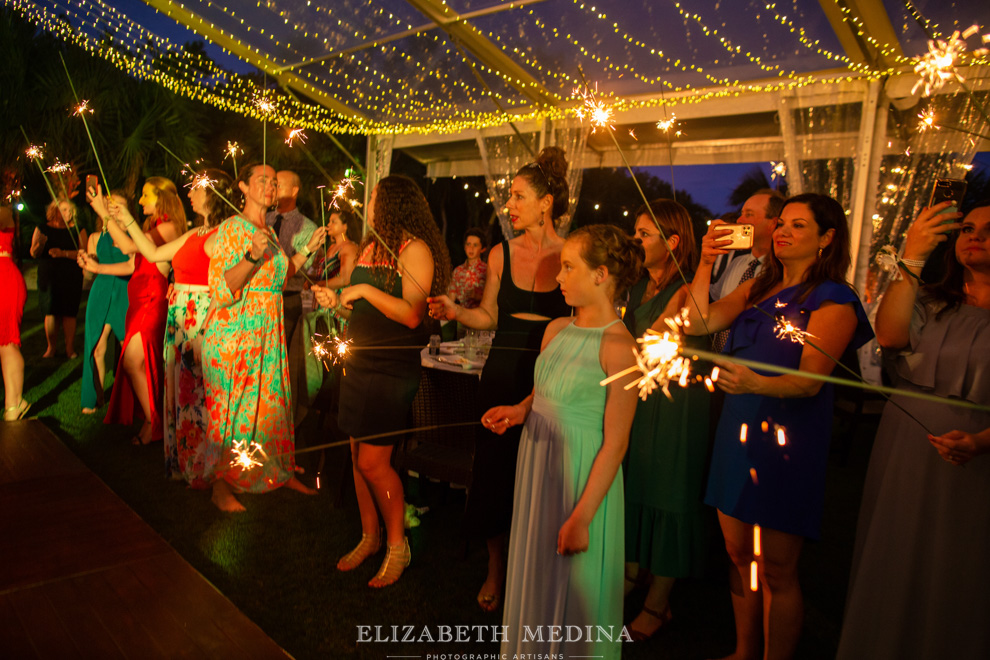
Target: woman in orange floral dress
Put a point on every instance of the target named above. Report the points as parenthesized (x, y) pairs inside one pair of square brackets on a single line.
[(245, 369)]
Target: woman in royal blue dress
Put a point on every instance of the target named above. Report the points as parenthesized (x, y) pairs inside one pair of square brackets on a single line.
[(779, 487)]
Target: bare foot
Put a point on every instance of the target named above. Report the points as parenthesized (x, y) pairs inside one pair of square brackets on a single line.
[(88, 411), (295, 484), (224, 499), (50, 353), (648, 622), (72, 356)]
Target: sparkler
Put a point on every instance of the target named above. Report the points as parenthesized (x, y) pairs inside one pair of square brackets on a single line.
[(757, 543), (778, 169), (666, 125), (244, 455), (660, 359), (34, 152), (265, 108), (927, 122), (296, 134), (232, 150), (781, 434), (201, 181), (598, 113), (82, 108), (787, 330), (329, 349), (743, 432)]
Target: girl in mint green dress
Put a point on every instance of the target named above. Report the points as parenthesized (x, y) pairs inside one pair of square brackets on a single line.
[(566, 545)]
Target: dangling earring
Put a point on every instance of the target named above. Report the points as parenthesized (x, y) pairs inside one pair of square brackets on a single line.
[(541, 222), (819, 253)]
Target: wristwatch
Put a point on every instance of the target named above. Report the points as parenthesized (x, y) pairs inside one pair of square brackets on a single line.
[(249, 258)]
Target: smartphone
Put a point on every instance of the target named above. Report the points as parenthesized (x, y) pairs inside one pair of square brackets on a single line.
[(741, 236), (946, 190), (91, 182)]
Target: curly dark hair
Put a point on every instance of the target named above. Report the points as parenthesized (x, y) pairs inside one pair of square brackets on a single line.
[(400, 206), (478, 233), (223, 185), (950, 292), (351, 220), (609, 246), (831, 265), (168, 205), (547, 175)]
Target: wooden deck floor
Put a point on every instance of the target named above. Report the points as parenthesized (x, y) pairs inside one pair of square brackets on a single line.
[(82, 576)]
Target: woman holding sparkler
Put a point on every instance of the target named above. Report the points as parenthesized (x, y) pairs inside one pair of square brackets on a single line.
[(521, 297), (245, 370), (184, 409), (387, 300), (568, 495), (666, 521), (11, 313), (767, 476), (332, 269), (106, 308), (920, 570), (138, 383), (59, 277)]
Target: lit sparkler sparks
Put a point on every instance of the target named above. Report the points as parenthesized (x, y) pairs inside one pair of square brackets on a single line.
[(329, 349), (58, 167), (754, 581), (938, 65), (35, 152), (83, 108), (660, 359), (232, 150), (597, 112), (201, 181), (786, 329), (778, 169), (345, 186), (666, 125), (779, 305), (245, 455), (264, 104), (781, 434), (927, 121), (296, 134), (743, 432)]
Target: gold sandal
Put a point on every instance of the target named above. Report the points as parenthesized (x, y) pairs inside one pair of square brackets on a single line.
[(21, 410), (397, 558), (369, 545)]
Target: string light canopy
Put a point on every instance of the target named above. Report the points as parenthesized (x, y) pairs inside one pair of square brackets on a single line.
[(435, 66)]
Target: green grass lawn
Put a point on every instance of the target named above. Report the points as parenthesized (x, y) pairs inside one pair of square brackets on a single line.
[(276, 562)]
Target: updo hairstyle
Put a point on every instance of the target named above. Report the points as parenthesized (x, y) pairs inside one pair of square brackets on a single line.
[(609, 246), (547, 175)]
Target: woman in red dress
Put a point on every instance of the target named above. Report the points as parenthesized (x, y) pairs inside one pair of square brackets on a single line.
[(142, 350), (11, 312)]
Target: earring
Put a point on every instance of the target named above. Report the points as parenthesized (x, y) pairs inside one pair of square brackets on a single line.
[(819, 252), (541, 222)]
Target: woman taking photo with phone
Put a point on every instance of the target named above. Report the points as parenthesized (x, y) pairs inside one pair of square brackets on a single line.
[(755, 479)]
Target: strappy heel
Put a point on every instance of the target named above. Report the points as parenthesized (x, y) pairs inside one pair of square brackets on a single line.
[(17, 412), (369, 545), (397, 558)]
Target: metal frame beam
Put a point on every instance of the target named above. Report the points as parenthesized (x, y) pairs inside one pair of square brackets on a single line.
[(875, 22)]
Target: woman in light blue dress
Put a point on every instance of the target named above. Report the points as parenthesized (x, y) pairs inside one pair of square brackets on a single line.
[(566, 551)]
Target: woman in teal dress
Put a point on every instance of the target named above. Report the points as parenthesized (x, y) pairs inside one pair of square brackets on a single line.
[(566, 542), (665, 516), (106, 310)]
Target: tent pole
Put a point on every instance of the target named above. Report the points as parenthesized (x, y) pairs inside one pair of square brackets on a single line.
[(792, 156), (867, 177)]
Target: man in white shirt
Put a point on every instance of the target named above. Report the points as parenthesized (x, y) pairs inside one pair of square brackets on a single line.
[(761, 210), (294, 231)]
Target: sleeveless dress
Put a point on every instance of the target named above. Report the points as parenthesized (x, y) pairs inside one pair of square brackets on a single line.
[(666, 530), (378, 387), (245, 370), (560, 441), (789, 489), (146, 312), (106, 305), (920, 573), (60, 280), (186, 454), (15, 293), (506, 378)]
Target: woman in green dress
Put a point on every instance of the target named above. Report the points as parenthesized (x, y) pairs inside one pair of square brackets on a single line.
[(566, 542), (668, 445), (106, 311)]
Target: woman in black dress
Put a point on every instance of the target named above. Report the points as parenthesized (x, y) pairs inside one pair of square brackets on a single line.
[(387, 303), (59, 277), (521, 297)]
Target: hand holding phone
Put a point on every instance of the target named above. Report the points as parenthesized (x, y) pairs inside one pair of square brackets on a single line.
[(740, 235), (946, 190), (91, 182)]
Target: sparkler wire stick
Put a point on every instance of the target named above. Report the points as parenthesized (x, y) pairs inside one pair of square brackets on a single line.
[(663, 235), (336, 142), (962, 130), (92, 144), (881, 389)]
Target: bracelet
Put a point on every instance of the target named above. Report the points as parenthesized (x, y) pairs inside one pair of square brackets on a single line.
[(305, 251), (129, 224), (913, 263), (249, 258)]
